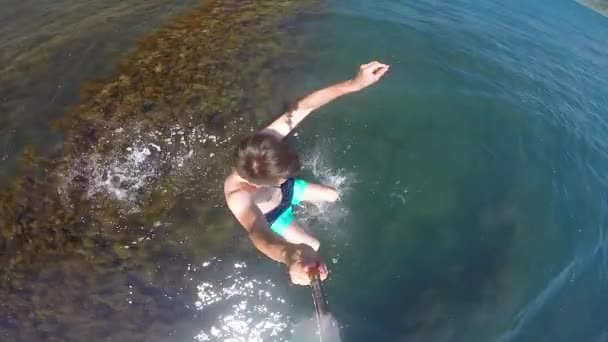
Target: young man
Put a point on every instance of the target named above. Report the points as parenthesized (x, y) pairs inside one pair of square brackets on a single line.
[(261, 190)]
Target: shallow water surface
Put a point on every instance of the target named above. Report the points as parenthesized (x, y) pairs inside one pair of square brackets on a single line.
[(48, 48)]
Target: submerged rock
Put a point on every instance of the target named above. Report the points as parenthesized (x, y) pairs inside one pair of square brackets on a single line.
[(95, 239)]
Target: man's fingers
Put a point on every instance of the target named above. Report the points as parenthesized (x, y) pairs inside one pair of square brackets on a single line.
[(373, 65), (380, 68), (366, 65), (323, 272), (380, 71), (300, 281), (300, 277)]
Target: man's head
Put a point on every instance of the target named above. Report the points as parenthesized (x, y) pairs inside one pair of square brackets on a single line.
[(264, 159)]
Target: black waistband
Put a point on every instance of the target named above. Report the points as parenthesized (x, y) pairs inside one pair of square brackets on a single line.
[(286, 196)]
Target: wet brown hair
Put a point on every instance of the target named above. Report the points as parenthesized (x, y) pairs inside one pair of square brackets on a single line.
[(264, 159)]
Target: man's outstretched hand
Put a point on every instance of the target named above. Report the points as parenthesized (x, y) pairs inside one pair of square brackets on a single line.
[(369, 74), (300, 259)]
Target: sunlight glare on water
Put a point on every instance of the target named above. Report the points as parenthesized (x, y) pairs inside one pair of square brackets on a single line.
[(249, 309)]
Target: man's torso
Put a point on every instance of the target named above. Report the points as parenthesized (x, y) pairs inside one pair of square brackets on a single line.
[(265, 198)]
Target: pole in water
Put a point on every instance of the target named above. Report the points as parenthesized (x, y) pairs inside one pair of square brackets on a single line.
[(318, 298)]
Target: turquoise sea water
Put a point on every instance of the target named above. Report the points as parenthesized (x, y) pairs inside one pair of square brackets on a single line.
[(473, 205), (477, 207)]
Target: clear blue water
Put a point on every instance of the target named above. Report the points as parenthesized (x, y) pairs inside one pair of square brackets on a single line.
[(477, 200)]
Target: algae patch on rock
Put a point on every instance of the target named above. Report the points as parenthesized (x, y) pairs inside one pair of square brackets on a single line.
[(95, 240)]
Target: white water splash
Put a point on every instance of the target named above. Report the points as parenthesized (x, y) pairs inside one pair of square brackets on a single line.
[(122, 177), (328, 215), (124, 174), (325, 174)]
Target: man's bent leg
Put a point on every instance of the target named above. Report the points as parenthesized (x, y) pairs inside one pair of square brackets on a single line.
[(296, 235), (319, 193)]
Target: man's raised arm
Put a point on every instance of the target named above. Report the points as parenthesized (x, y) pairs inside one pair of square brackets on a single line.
[(368, 74)]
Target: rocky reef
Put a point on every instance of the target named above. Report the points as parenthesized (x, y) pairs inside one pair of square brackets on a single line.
[(97, 241)]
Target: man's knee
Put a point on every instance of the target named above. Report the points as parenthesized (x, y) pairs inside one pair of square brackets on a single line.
[(310, 240), (314, 243), (332, 194)]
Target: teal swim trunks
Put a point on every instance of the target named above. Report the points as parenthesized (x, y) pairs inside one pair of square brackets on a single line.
[(279, 218)]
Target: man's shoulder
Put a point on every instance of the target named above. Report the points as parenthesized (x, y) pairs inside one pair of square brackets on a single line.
[(231, 185), (237, 196)]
